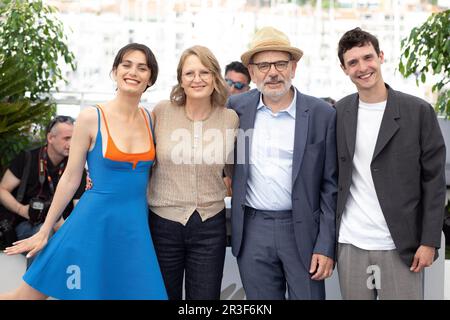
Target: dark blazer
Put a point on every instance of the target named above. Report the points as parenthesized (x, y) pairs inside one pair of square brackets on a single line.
[(408, 169), (314, 175)]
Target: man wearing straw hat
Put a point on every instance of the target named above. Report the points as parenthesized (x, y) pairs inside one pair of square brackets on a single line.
[(284, 182)]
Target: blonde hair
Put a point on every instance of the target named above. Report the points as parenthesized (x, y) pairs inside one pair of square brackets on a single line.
[(219, 95)]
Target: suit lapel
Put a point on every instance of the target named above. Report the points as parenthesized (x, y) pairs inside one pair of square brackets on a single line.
[(247, 124), (350, 122), (389, 125), (301, 134), (248, 116)]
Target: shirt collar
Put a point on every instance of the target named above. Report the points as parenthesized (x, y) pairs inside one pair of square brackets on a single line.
[(291, 110)]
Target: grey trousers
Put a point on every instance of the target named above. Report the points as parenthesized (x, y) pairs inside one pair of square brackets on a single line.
[(269, 261), (372, 274)]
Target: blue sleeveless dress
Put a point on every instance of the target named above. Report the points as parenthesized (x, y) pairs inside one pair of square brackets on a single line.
[(104, 249)]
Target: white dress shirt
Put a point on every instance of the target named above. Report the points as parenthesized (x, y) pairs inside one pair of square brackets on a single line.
[(269, 185)]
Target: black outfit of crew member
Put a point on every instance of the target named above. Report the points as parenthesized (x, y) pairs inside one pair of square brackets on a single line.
[(52, 174)]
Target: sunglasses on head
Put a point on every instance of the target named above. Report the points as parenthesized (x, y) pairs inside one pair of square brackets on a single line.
[(59, 119), (238, 85)]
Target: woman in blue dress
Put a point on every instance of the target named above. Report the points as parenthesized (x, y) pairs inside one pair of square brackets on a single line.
[(104, 249)]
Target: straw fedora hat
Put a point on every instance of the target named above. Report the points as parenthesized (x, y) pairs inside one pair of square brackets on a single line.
[(267, 39)]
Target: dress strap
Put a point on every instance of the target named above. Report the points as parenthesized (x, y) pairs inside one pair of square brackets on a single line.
[(151, 124), (98, 117), (104, 119)]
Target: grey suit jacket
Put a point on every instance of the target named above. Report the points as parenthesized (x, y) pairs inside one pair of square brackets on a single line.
[(314, 175), (408, 169)]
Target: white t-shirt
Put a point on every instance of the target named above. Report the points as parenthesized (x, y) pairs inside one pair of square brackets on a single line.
[(363, 224)]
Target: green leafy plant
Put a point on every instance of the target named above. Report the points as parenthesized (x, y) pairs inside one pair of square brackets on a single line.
[(32, 45), (33, 35), (18, 114), (427, 51)]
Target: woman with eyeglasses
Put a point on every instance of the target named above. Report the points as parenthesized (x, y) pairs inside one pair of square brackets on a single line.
[(195, 139), (104, 249)]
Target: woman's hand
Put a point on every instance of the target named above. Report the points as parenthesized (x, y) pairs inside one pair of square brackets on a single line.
[(32, 245)]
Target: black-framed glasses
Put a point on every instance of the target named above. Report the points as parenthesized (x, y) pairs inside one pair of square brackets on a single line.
[(280, 65), (59, 119), (237, 84)]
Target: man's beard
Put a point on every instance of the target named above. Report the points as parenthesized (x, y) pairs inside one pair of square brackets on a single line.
[(275, 95)]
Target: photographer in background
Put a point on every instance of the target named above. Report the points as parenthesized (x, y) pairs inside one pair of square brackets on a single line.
[(237, 77), (36, 172)]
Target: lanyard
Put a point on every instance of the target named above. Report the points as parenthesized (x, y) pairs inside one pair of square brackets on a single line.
[(43, 171)]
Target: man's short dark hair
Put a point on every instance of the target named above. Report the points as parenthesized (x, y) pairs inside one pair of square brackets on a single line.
[(356, 38), (237, 66)]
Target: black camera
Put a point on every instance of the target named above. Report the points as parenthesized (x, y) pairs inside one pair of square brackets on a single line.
[(38, 210)]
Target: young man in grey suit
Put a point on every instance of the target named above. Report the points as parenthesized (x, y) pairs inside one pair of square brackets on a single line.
[(391, 157), (284, 182)]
